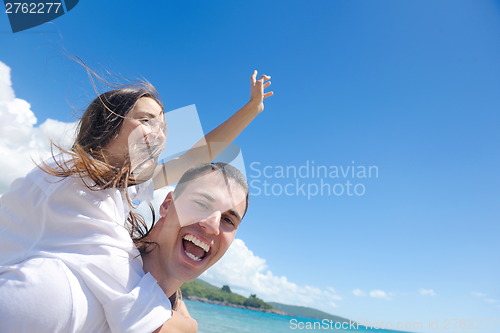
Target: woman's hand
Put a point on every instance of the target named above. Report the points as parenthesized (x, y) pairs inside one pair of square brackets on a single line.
[(182, 309), (180, 322), (257, 90)]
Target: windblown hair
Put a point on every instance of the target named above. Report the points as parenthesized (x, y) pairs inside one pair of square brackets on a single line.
[(231, 176), (100, 123)]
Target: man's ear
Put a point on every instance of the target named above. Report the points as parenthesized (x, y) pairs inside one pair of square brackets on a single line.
[(169, 200)]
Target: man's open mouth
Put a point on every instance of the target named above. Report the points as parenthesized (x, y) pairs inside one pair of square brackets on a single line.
[(195, 248)]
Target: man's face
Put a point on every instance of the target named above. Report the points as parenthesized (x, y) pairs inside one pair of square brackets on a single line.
[(198, 226)]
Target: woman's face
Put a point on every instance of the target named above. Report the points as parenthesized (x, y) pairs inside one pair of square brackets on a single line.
[(141, 139)]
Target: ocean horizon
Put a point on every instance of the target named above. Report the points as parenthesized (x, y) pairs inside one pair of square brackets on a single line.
[(214, 318)]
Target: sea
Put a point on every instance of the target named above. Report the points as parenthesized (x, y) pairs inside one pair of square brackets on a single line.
[(213, 318)]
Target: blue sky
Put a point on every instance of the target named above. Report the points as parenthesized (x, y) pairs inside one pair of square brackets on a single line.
[(410, 87)]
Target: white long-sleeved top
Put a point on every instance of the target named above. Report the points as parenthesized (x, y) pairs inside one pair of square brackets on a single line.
[(68, 264)]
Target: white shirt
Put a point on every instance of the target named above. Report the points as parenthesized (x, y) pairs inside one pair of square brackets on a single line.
[(67, 263)]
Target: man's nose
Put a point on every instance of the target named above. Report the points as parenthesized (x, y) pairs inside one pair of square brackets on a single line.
[(211, 224)]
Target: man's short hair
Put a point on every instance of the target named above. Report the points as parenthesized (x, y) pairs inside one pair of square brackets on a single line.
[(230, 173)]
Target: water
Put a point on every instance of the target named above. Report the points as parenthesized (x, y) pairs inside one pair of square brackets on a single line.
[(222, 319)]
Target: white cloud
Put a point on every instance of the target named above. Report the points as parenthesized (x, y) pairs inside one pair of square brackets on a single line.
[(358, 292), (330, 289), (379, 294), (21, 141), (427, 292), (486, 298), (247, 273)]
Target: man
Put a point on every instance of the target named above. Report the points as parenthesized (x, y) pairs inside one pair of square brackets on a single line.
[(199, 220)]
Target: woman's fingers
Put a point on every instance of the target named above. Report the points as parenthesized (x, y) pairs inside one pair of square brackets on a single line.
[(264, 78), (266, 95), (258, 87), (253, 78)]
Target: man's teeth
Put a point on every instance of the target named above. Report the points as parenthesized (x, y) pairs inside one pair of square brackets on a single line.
[(197, 242), (192, 256)]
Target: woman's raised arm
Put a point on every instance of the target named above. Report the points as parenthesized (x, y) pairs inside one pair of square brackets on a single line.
[(209, 147)]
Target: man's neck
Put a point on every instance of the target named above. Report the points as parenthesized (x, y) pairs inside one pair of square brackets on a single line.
[(167, 284)]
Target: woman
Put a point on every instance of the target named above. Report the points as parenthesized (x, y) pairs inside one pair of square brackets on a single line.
[(63, 230)]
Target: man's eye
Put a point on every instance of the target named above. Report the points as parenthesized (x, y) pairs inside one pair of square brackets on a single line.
[(229, 221), (144, 120)]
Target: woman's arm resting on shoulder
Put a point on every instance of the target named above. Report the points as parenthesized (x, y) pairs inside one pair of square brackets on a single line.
[(182, 309), (208, 148), (180, 322)]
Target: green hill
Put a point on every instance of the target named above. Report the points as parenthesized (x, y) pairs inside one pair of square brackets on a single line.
[(200, 290), (200, 282), (305, 312)]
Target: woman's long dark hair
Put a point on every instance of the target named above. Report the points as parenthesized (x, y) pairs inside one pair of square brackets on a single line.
[(101, 123)]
